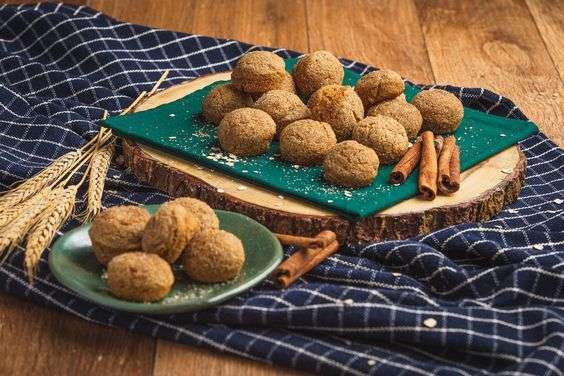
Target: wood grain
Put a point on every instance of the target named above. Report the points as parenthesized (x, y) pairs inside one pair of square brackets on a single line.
[(384, 34), (549, 17), (496, 45), (41, 341)]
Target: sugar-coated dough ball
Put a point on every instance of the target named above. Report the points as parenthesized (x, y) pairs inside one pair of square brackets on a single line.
[(246, 132), (117, 230), (383, 134), (350, 164), (201, 211), (306, 142), (442, 111), (259, 72), (339, 106), (284, 107), (139, 277), (378, 86), (315, 70), (404, 113), (168, 232), (223, 99), (214, 256)]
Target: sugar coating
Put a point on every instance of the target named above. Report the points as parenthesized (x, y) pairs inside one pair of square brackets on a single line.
[(223, 99), (140, 277), (378, 86), (202, 211), (117, 230), (350, 164), (441, 111), (284, 107), (306, 142), (168, 232), (259, 72), (214, 256), (339, 106), (383, 134), (246, 132), (404, 113), (315, 70)]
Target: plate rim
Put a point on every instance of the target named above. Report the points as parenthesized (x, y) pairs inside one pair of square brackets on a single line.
[(158, 307)]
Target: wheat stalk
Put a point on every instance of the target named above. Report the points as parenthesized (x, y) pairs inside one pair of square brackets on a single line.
[(44, 230), (10, 214), (18, 228), (99, 166), (39, 181)]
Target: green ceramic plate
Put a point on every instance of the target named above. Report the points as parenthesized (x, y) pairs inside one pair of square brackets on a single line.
[(72, 262)]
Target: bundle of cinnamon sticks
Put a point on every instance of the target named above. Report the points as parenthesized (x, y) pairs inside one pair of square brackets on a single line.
[(311, 252), (439, 165)]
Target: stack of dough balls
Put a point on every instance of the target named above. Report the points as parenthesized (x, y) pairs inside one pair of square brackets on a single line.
[(372, 119), (138, 249)]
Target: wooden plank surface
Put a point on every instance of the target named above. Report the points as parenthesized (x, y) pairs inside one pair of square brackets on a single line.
[(496, 45), (512, 47)]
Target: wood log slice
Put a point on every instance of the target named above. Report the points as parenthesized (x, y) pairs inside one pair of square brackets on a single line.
[(485, 190)]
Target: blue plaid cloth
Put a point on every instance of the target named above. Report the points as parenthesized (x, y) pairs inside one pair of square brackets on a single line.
[(469, 299)]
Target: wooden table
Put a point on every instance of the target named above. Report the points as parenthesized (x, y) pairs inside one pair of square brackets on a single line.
[(514, 47)]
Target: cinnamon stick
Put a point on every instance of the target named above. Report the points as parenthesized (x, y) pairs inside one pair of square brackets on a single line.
[(301, 262), (428, 167), (449, 167), (406, 165), (321, 240)]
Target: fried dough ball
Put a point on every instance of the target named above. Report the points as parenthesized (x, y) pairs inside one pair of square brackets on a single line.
[(383, 134), (350, 164), (117, 230), (442, 111), (284, 108), (306, 142), (339, 106), (202, 211), (246, 132), (223, 99), (378, 86), (315, 70), (259, 72), (139, 277), (286, 85), (214, 256), (404, 113), (168, 232)]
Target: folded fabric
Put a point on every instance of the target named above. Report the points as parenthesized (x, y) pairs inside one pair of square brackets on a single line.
[(469, 299)]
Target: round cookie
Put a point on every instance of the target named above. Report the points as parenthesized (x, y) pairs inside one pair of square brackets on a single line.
[(284, 107), (117, 230), (259, 72), (246, 132), (378, 86), (168, 232), (350, 164), (139, 277), (214, 256), (339, 106), (315, 70), (201, 211), (223, 99), (306, 142), (383, 134), (404, 113), (442, 111)]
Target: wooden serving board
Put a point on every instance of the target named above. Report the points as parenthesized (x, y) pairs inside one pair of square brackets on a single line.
[(485, 190)]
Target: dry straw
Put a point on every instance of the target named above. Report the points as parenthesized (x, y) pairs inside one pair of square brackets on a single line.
[(39, 181), (49, 223), (98, 170)]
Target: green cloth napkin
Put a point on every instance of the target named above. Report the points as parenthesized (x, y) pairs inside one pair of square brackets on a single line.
[(178, 128)]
